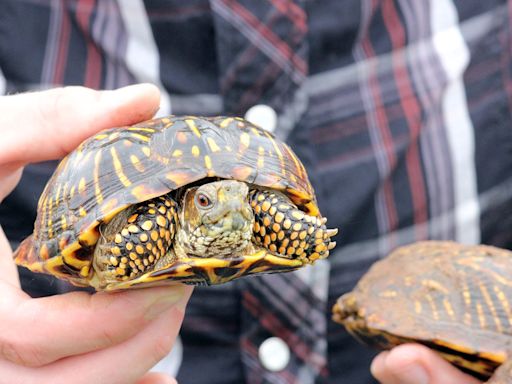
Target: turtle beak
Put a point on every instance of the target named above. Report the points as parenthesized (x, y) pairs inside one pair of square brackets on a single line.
[(238, 213)]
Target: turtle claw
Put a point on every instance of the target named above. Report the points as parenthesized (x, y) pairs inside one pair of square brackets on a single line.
[(332, 232), (331, 245)]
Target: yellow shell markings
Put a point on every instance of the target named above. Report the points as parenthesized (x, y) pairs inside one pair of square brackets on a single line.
[(137, 163), (82, 212), (418, 307), (177, 153), (140, 136), (456, 347), (245, 139), (256, 131), (63, 222), (142, 129), (260, 163), (388, 293), (502, 298), (278, 152), (118, 167), (72, 191), (224, 123), (212, 144), (466, 296), (490, 304), (298, 165), (68, 252), (96, 176), (65, 191), (449, 309), (81, 186), (146, 151), (100, 136), (487, 311), (113, 136), (433, 307), (481, 315), (499, 278), (57, 194), (193, 127), (50, 215), (208, 164), (435, 286), (195, 151)]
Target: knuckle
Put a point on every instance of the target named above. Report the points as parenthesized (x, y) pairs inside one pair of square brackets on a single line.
[(162, 348), (109, 337), (22, 353), (49, 107)]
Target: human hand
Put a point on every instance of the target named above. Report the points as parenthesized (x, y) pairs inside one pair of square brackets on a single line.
[(77, 337), (416, 364)]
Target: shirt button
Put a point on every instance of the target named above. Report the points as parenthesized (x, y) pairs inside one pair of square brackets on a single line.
[(274, 354), (262, 115)]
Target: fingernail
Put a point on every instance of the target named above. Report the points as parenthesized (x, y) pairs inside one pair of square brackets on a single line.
[(135, 89), (378, 364), (170, 297), (125, 95), (414, 374)]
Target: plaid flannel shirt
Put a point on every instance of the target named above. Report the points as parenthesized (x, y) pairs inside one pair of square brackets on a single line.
[(400, 110)]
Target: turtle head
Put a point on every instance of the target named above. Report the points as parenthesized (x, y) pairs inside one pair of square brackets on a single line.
[(216, 219), (361, 323)]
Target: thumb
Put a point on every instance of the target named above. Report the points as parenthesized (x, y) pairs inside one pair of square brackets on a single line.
[(416, 364), (47, 125)]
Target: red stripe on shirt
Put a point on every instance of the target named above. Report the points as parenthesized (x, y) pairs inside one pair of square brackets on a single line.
[(92, 77), (272, 38), (412, 114)]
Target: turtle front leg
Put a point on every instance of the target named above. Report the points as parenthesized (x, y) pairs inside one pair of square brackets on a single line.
[(134, 240), (285, 230)]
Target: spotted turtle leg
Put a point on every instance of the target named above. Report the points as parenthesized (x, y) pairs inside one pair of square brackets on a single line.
[(285, 230), (137, 238)]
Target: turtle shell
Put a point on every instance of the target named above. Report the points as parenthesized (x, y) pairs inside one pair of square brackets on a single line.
[(450, 297), (123, 166)]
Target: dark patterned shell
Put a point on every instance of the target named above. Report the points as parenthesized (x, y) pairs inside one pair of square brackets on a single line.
[(450, 297), (123, 166)]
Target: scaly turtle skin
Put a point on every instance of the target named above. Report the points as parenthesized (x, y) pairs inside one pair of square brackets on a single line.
[(452, 298), (197, 200)]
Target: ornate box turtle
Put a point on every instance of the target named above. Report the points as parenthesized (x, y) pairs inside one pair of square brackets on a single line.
[(452, 298), (197, 200)]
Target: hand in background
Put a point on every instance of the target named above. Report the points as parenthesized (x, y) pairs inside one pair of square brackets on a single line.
[(416, 364), (77, 337)]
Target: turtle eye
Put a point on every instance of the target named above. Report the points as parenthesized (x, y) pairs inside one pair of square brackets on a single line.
[(203, 200)]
